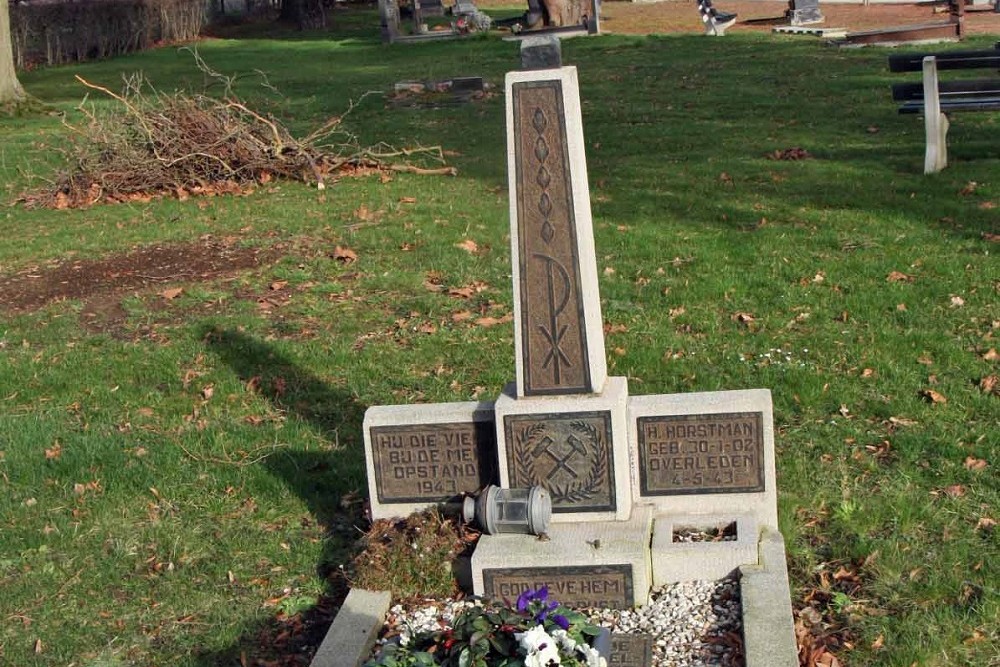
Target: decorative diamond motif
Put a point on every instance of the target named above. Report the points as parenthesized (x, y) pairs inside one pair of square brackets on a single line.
[(548, 231), (541, 149), (539, 121), (545, 204), (543, 178)]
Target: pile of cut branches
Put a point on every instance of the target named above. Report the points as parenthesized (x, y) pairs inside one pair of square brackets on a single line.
[(152, 144)]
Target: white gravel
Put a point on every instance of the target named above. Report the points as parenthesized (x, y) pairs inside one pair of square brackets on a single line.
[(693, 624)]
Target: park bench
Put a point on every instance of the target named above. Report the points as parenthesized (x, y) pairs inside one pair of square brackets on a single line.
[(935, 98)]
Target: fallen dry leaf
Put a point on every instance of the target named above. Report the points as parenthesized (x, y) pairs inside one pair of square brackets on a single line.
[(969, 188), (207, 391), (954, 491), (878, 643), (898, 277), (992, 355), (54, 452), (867, 373), (989, 384), (461, 316), (469, 246), (972, 463), (933, 396), (975, 638), (172, 293), (986, 524), (677, 312), (344, 255), (278, 285), (407, 200), (743, 318), (901, 421), (492, 321), (957, 301), (610, 328)]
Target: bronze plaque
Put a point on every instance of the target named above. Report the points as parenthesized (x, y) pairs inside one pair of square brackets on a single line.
[(433, 462), (574, 586), (717, 453), (552, 333), (631, 650), (569, 454)]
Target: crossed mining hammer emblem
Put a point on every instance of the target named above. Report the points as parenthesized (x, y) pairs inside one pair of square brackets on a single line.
[(547, 446)]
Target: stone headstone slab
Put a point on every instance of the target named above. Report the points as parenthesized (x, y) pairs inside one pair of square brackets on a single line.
[(631, 650), (583, 564), (705, 453), (575, 447), (542, 52), (419, 456), (558, 330), (690, 561)]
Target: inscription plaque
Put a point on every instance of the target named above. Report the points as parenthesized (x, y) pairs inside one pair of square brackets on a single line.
[(554, 344), (433, 462), (569, 454), (574, 586), (631, 650), (712, 453)]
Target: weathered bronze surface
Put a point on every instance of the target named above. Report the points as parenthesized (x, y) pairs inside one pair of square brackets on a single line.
[(713, 453), (433, 462), (631, 650), (569, 454), (574, 586), (553, 336)]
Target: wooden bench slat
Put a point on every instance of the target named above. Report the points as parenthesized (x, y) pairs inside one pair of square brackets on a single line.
[(956, 104), (914, 90), (913, 62)]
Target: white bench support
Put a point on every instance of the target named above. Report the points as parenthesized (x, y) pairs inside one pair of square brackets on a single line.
[(935, 122), (713, 25)]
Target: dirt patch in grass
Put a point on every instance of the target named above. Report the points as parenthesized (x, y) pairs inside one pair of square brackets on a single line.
[(102, 283), (414, 557), (673, 16)]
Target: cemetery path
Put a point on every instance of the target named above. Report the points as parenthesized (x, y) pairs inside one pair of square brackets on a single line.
[(762, 15)]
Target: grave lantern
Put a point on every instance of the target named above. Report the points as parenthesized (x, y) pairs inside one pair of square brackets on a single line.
[(510, 510)]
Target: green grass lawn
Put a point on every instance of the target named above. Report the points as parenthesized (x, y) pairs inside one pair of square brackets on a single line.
[(179, 482)]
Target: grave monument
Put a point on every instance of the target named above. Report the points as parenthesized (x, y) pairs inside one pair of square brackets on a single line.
[(625, 473)]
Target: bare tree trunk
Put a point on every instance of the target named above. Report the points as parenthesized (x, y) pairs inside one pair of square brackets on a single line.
[(566, 12), (10, 87)]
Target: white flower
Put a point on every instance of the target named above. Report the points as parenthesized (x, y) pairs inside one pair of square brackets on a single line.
[(563, 639), (540, 650), (591, 655)]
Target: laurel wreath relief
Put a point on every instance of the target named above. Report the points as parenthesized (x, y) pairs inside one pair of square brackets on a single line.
[(573, 492)]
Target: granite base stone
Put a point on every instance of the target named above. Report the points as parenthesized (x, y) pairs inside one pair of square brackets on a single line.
[(768, 630), (693, 561), (354, 630), (583, 564), (421, 456), (705, 453)]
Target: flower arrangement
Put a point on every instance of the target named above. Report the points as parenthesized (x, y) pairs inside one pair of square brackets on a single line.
[(535, 632)]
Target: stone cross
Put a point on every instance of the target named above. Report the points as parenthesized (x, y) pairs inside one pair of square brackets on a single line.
[(625, 474)]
